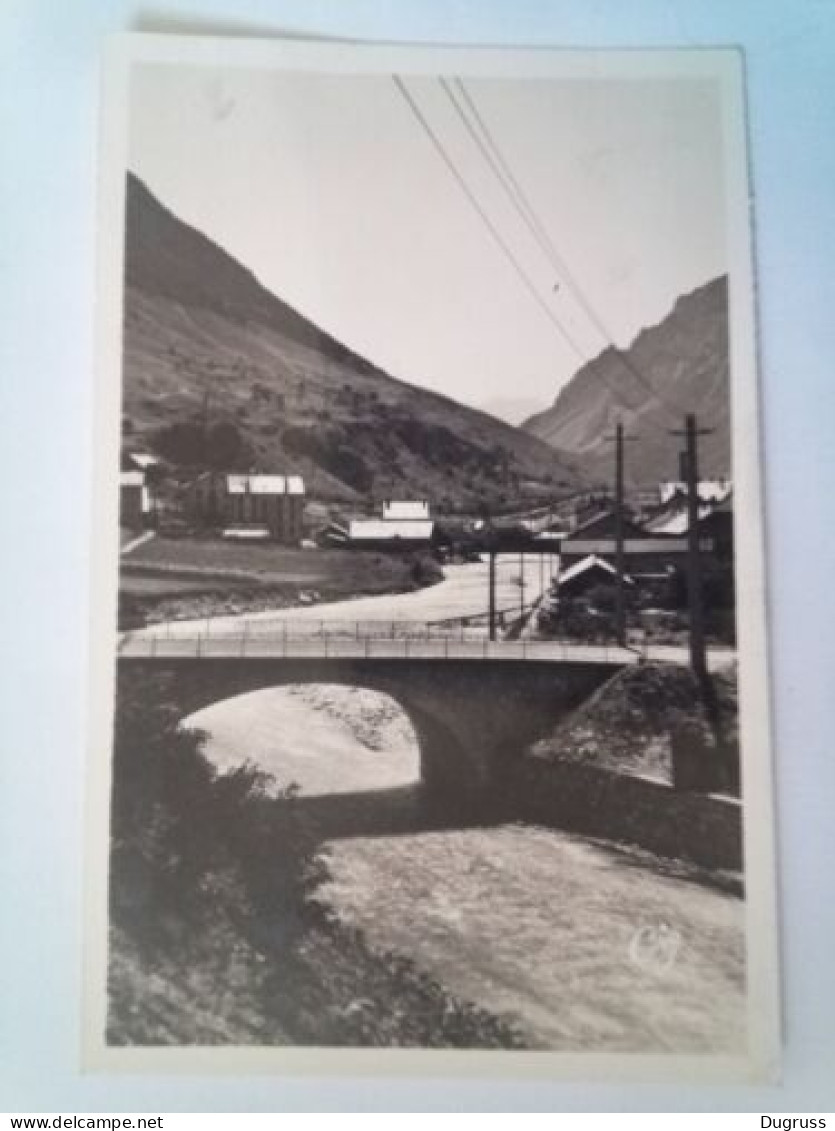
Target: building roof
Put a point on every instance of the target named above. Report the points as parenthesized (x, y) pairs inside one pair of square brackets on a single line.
[(709, 490), (604, 521), (587, 563), (143, 460), (396, 509), (265, 484), (675, 520), (378, 529)]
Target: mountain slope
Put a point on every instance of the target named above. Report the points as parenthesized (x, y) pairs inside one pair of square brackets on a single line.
[(686, 357), (208, 350)]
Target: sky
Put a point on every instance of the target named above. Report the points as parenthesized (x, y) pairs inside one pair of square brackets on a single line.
[(332, 191)]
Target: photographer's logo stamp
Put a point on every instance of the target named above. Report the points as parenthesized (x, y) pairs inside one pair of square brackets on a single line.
[(655, 946)]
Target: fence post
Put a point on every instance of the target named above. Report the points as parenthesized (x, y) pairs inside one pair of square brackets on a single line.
[(199, 638)]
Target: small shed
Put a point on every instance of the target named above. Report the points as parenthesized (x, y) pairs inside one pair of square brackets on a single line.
[(585, 574)]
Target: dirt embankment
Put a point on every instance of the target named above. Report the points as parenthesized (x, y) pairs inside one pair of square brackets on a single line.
[(651, 760), (630, 724), (187, 583)]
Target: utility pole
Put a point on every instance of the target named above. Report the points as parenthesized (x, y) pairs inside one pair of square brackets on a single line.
[(205, 429), (698, 656), (620, 556), (490, 533)]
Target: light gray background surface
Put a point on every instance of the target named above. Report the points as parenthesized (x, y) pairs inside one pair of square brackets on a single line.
[(49, 55)]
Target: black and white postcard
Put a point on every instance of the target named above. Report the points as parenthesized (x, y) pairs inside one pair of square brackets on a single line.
[(430, 725)]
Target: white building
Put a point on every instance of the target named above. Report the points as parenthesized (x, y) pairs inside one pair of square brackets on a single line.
[(406, 510), (709, 490), (389, 532)]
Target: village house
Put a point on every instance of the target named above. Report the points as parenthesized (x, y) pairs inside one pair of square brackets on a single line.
[(251, 505), (405, 525), (387, 534), (708, 490), (587, 574), (137, 495)]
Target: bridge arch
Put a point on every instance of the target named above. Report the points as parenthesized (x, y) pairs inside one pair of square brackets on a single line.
[(469, 716)]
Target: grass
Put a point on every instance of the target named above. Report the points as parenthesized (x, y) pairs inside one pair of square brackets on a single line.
[(175, 579), (276, 565)]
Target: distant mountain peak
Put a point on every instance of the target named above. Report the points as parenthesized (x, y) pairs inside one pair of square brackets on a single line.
[(683, 360)]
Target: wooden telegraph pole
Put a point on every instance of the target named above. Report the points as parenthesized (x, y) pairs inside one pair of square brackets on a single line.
[(205, 429), (491, 574), (620, 557), (698, 655)]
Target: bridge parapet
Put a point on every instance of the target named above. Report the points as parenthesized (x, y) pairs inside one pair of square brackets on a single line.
[(328, 645)]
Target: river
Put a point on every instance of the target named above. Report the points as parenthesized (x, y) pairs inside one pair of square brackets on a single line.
[(463, 592), (584, 946)]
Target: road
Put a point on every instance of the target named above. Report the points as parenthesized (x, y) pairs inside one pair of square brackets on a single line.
[(462, 593), (426, 623)]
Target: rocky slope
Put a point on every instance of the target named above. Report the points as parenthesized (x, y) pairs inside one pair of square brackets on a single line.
[(685, 356), (210, 352)]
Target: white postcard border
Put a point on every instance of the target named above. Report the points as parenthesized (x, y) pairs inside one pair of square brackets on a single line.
[(725, 66)]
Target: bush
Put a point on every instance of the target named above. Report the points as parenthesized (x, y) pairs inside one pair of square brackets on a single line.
[(190, 845)]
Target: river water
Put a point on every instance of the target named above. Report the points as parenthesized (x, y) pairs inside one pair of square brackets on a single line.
[(584, 946), (521, 580)]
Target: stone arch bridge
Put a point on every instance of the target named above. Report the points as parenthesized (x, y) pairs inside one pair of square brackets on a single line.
[(471, 716)]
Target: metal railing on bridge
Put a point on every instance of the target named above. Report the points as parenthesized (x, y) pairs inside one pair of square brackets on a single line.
[(329, 645)]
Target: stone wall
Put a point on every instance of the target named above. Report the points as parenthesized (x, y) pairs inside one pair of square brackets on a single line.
[(705, 829)]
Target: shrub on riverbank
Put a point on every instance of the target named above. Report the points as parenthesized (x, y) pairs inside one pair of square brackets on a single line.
[(216, 935)]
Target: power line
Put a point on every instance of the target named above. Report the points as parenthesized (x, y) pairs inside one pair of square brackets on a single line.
[(489, 148), (519, 200), (451, 166), (507, 251), (485, 219), (494, 161)]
